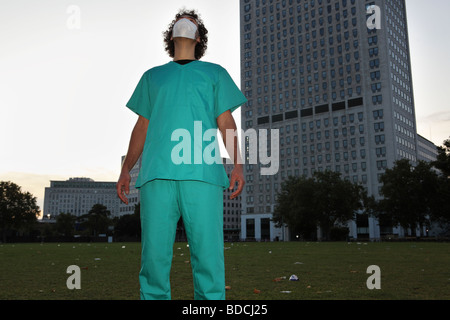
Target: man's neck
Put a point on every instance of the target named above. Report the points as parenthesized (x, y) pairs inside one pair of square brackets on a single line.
[(184, 49)]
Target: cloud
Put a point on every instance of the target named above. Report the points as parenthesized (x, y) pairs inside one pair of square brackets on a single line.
[(435, 126), (440, 116)]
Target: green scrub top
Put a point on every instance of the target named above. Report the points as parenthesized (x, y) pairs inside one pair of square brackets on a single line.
[(181, 103)]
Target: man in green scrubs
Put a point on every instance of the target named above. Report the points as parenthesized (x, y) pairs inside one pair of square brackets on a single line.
[(180, 106)]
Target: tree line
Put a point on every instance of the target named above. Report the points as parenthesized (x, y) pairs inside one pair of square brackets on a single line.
[(19, 213), (96, 222), (412, 196)]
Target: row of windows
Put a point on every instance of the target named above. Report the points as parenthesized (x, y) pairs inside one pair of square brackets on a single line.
[(303, 102), (58, 191), (230, 219), (320, 158), (82, 202), (403, 119), (310, 45), (402, 105), (324, 146), (336, 133), (402, 154), (350, 118), (293, 81), (306, 15), (307, 5), (401, 129), (74, 195), (283, 31), (399, 80), (303, 81), (129, 209), (337, 158), (405, 142), (282, 47)]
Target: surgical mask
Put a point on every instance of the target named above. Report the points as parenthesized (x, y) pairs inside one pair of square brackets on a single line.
[(184, 28)]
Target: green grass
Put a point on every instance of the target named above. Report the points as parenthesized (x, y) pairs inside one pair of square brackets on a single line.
[(326, 271)]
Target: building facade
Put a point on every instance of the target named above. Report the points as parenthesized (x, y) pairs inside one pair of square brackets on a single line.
[(334, 77), (78, 195), (426, 150)]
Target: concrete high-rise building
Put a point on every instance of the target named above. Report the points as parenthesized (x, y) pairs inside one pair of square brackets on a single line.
[(334, 76), (78, 195)]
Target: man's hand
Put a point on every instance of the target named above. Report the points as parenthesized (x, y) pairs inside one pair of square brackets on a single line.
[(237, 176), (123, 186), (135, 148), (226, 122)]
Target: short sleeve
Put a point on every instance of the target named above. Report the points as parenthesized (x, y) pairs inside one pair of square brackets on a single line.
[(227, 94), (140, 100)]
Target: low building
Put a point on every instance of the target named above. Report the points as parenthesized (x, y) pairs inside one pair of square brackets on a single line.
[(426, 150), (78, 195)]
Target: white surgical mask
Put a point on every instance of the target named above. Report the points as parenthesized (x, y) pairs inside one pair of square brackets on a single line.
[(184, 28)]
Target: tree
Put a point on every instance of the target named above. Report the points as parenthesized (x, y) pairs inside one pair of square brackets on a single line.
[(409, 194), (96, 220), (65, 224), (443, 159), (18, 210), (324, 201), (337, 200), (129, 225), (441, 212), (294, 208), (440, 208)]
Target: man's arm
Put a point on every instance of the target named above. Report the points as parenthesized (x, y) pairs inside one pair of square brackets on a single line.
[(135, 148), (226, 122)]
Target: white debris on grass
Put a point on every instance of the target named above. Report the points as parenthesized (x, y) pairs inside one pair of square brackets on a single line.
[(293, 278)]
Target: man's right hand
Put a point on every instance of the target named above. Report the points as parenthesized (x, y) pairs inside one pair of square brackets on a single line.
[(123, 186)]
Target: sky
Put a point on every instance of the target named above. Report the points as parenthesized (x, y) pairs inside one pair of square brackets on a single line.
[(67, 69)]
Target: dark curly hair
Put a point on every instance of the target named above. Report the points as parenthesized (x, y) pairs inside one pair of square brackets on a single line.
[(201, 46)]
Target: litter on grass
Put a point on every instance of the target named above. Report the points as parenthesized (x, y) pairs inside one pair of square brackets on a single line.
[(293, 278), (279, 279)]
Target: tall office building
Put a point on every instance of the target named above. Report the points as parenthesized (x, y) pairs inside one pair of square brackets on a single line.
[(335, 78)]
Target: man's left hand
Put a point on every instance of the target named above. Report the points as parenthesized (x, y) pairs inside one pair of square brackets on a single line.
[(237, 176)]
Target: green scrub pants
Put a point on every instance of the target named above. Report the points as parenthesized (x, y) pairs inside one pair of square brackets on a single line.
[(200, 204)]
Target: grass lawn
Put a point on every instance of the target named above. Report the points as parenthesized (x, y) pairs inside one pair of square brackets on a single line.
[(326, 271)]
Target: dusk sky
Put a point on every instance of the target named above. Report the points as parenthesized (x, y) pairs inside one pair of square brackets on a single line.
[(67, 69)]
